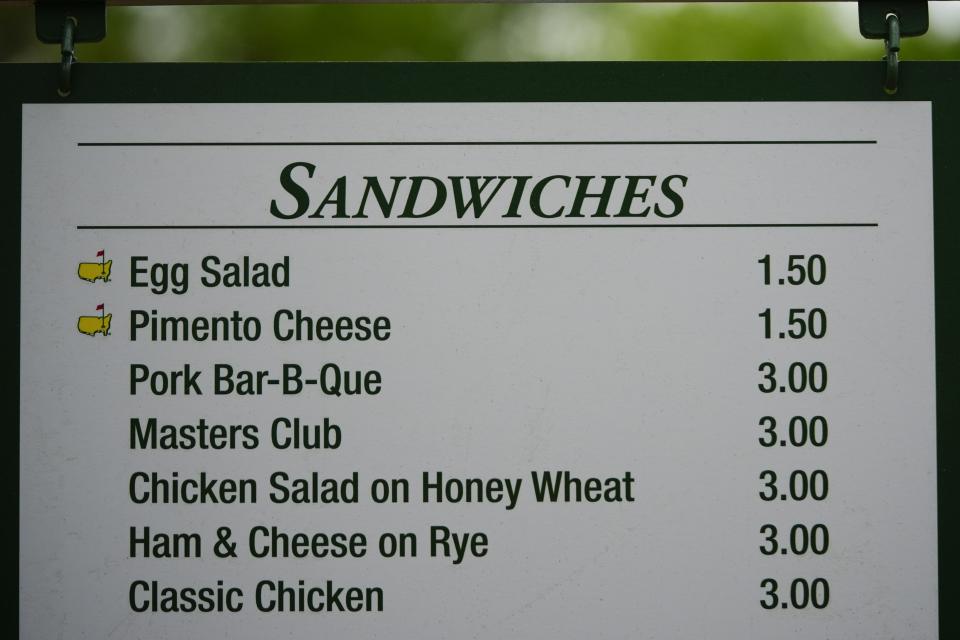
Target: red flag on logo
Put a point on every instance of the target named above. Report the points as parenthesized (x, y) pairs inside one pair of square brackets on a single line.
[(100, 253), (100, 307)]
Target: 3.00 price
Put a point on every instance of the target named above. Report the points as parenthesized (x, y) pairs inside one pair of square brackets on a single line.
[(801, 485), (802, 539), (801, 431), (803, 594), (800, 377)]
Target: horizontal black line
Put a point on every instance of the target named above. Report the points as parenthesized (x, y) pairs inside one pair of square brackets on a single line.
[(733, 225), (468, 143)]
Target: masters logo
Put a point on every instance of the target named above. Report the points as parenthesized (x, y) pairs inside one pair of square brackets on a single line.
[(92, 325), (93, 271)]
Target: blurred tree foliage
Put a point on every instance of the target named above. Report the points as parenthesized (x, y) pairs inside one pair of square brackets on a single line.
[(720, 31)]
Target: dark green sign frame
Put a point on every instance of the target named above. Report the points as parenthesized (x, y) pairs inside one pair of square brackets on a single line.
[(938, 82)]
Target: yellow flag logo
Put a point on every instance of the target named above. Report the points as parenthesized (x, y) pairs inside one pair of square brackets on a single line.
[(93, 271), (92, 325)]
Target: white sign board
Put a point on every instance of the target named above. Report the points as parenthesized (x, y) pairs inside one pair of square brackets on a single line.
[(541, 370)]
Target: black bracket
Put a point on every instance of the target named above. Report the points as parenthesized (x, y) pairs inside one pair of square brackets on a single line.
[(890, 21), (66, 22)]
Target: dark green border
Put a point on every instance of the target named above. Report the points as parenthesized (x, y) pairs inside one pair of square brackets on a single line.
[(938, 82)]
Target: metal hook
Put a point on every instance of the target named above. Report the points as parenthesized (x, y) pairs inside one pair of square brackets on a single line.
[(67, 22), (67, 56), (892, 45), (890, 20)]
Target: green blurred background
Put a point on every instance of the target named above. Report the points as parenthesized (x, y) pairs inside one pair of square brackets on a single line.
[(649, 31)]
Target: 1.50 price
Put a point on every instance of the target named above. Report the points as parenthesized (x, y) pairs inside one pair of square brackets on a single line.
[(801, 323), (800, 269)]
